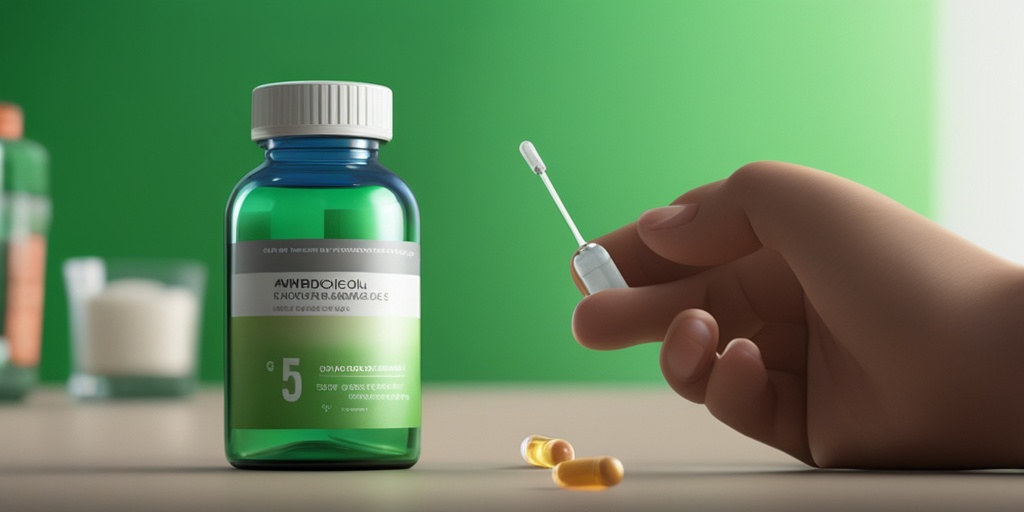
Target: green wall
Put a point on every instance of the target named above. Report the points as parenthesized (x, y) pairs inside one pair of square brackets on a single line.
[(145, 108)]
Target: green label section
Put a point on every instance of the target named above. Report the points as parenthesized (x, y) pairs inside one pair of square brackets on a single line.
[(324, 372)]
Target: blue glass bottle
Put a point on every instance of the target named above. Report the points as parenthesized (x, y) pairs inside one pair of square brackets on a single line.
[(323, 377)]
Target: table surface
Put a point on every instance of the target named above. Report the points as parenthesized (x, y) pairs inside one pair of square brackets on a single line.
[(58, 454)]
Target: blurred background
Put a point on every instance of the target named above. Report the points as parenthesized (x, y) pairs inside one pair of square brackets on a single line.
[(144, 107)]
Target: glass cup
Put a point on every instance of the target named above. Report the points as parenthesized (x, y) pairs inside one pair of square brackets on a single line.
[(134, 326)]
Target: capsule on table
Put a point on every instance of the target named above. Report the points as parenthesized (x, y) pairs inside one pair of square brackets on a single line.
[(546, 452), (591, 473)]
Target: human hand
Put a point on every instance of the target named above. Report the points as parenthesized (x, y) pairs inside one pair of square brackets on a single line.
[(824, 319)]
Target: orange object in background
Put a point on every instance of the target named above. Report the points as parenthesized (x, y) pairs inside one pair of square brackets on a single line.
[(23, 315)]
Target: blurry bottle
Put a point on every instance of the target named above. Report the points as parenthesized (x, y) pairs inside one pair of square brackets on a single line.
[(24, 221)]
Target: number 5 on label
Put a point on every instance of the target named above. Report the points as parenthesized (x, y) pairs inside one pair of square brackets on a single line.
[(289, 367)]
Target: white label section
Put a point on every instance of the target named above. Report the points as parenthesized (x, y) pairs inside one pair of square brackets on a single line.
[(325, 294)]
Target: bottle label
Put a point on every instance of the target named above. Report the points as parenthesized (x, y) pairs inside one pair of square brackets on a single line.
[(325, 334)]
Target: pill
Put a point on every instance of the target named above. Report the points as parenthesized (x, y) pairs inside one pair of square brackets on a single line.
[(591, 473), (546, 452)]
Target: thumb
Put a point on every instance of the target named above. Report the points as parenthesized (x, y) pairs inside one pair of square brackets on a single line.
[(721, 226), (786, 207), (714, 224)]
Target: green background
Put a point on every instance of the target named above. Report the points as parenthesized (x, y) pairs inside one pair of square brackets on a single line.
[(145, 109)]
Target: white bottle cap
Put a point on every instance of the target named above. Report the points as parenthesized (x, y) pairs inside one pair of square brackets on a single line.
[(348, 109)]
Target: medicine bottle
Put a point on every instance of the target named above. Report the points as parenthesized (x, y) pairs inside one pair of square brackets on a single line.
[(323, 288), (24, 222)]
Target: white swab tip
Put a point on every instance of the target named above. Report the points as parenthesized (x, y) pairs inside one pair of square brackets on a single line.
[(532, 158)]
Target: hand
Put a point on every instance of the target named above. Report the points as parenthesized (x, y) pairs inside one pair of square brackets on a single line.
[(824, 319)]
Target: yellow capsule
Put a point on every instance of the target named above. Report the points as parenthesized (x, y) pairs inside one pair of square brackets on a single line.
[(591, 473), (546, 452)]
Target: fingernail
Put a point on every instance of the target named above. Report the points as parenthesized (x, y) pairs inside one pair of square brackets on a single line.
[(685, 355), (668, 216)]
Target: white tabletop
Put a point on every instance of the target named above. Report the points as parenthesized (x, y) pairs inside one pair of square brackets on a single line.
[(56, 454)]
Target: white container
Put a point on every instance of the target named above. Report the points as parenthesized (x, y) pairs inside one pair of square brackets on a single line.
[(134, 326)]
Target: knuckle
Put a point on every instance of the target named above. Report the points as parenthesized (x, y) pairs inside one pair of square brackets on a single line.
[(753, 176)]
